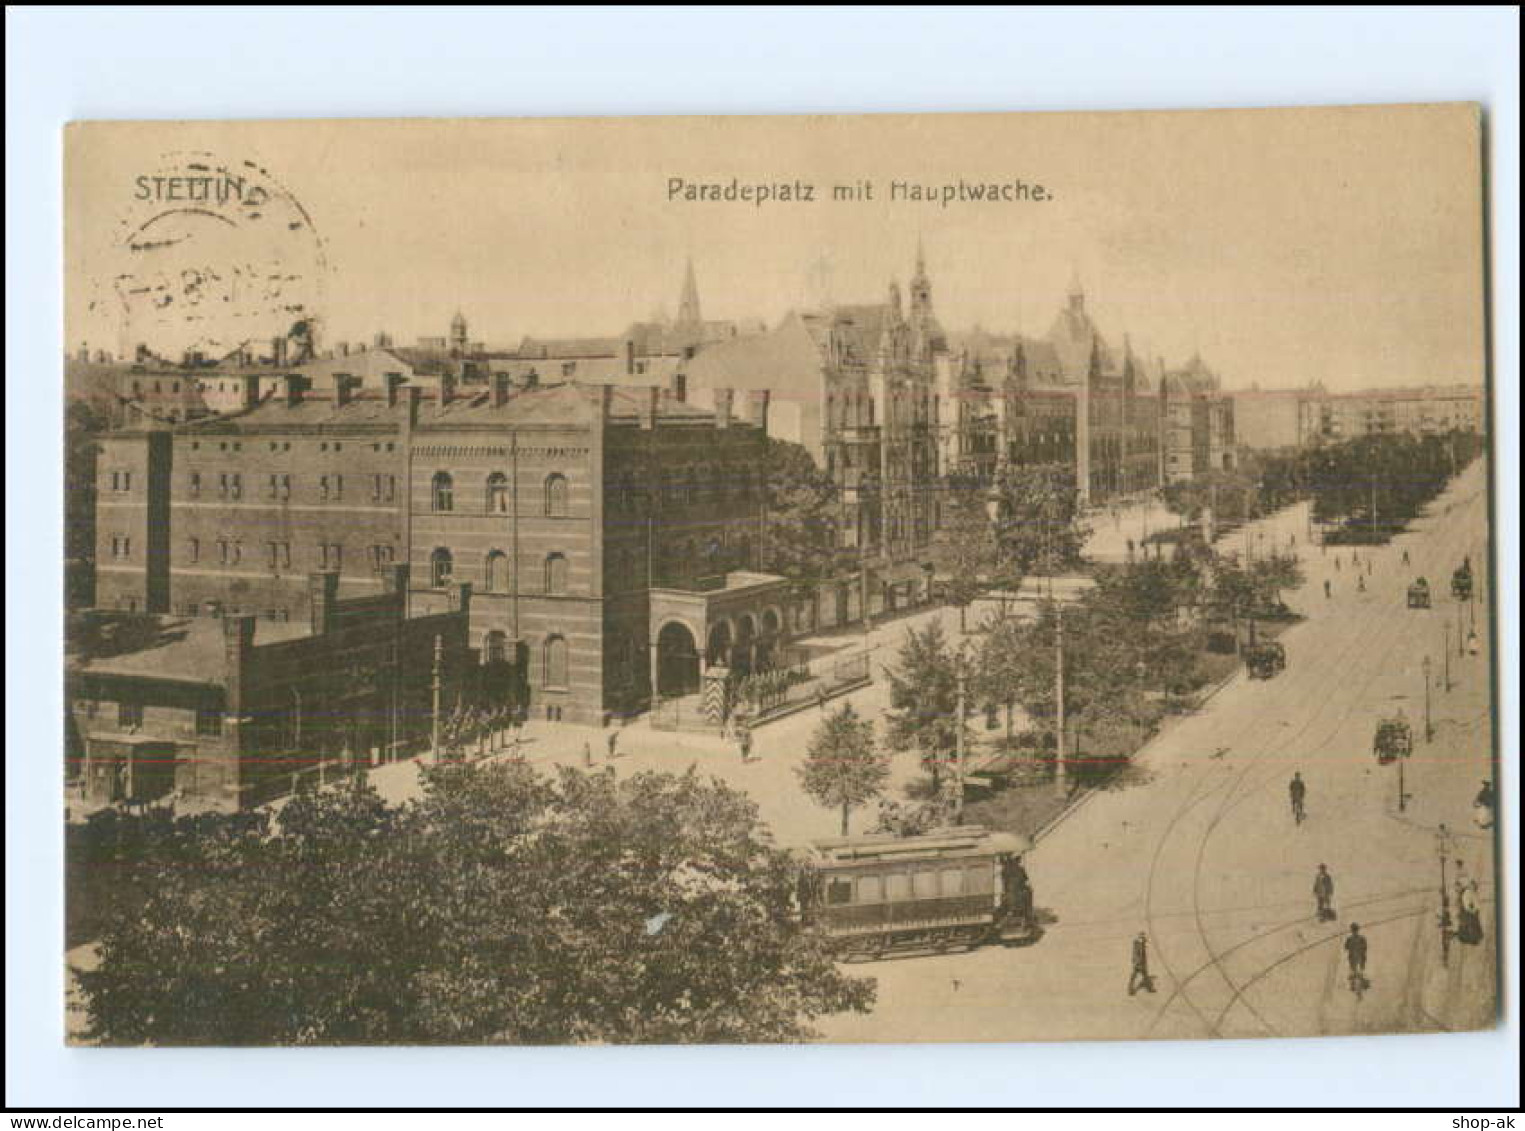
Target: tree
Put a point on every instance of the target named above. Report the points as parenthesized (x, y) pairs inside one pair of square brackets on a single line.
[(502, 907), (924, 712), (1038, 528), (842, 768), (801, 505), (965, 552)]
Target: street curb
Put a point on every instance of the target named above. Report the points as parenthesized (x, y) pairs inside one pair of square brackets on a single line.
[(1080, 799)]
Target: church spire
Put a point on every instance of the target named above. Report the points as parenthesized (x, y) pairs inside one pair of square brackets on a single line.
[(688, 305)]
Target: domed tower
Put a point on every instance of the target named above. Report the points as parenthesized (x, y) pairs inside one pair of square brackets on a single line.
[(458, 334)]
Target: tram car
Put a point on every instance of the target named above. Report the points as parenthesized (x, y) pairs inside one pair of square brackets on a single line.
[(1461, 582), (1266, 659), (1419, 594), (948, 889), (1394, 739)]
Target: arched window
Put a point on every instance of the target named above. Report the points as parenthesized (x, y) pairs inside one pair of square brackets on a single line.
[(441, 567), (494, 648), (497, 572), (497, 493), (556, 495), (555, 573), (555, 656), (444, 491)]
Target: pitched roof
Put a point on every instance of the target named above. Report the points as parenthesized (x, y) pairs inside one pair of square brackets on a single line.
[(787, 360)]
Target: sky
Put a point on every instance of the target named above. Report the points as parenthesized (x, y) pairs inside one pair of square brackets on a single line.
[(1286, 246)]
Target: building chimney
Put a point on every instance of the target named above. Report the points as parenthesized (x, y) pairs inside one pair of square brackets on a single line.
[(323, 599), (605, 402), (250, 390), (394, 381), (650, 406), (724, 401), (295, 385), (629, 355), (680, 386), (345, 385), (446, 390), (758, 401), (278, 350), (502, 388)]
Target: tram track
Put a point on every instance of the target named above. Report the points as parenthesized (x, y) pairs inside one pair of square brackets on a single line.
[(1374, 629)]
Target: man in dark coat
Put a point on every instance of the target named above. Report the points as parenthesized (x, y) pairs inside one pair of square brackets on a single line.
[(1323, 892), (1140, 977), (1355, 952), (1299, 792)]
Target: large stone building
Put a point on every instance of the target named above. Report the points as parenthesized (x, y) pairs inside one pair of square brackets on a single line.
[(574, 511), (1067, 398), (225, 713), (1420, 410), (856, 386), (1198, 423)]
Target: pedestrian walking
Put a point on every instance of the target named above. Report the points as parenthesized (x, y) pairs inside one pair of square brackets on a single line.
[(1355, 955), (1139, 978), (1361, 583), (1337, 563), (1469, 920), (821, 697), (1323, 893), (744, 740), (614, 742), (1326, 589), (1472, 643), (1405, 557), (587, 754), (1299, 791), (1482, 807)]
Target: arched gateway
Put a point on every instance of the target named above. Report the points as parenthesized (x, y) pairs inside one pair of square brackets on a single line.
[(677, 660)]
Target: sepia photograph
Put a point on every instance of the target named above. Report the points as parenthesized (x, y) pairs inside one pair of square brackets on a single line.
[(845, 579)]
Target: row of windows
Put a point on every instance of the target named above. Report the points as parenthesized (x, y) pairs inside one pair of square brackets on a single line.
[(129, 716), (916, 883), (328, 555), (554, 571), (121, 481), (691, 486), (553, 657), (285, 446), (554, 494), (230, 485)]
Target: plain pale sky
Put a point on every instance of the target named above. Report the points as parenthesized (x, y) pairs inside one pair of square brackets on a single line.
[(1341, 245)]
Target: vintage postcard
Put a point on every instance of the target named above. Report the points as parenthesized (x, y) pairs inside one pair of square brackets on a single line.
[(710, 580)]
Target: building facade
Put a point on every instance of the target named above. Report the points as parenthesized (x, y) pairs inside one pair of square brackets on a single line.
[(564, 507), (227, 712)]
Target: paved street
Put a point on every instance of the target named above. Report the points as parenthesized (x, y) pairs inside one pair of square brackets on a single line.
[(1203, 855), (1205, 858)]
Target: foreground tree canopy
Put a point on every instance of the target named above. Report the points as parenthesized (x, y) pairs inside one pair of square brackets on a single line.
[(501, 907)]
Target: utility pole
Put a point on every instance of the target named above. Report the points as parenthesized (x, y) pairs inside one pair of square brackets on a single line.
[(439, 655), (1059, 775), (1374, 509), (1429, 730), (1447, 627), (958, 797)]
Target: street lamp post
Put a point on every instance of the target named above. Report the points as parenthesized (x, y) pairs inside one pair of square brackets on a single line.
[(1429, 730), (1447, 665), (962, 659), (1443, 848)]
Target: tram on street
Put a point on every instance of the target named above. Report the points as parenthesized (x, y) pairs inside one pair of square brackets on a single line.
[(1461, 582), (1419, 594), (949, 889)]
